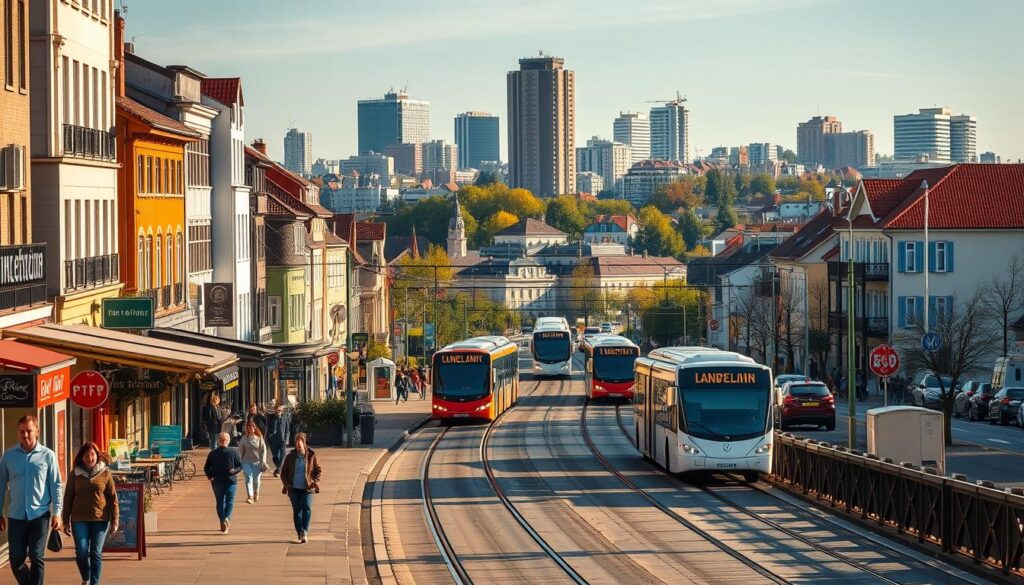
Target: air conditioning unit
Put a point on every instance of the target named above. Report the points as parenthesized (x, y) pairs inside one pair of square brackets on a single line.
[(12, 167)]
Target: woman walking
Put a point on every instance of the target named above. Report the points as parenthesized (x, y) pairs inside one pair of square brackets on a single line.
[(222, 467), (252, 449), (90, 510), (213, 419), (300, 474)]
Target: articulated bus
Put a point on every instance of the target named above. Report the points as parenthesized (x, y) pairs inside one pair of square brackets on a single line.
[(551, 347), (703, 409), (475, 379), (609, 368)]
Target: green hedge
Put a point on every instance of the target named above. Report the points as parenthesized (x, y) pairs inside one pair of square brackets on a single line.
[(321, 413)]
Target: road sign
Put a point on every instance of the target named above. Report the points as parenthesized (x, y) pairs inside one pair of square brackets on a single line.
[(428, 334), (128, 313), (332, 358), (884, 361), (713, 324), (931, 341), (89, 389)]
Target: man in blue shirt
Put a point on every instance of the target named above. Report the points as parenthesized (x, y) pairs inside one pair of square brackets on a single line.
[(30, 471)]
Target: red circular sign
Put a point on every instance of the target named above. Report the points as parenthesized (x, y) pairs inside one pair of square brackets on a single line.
[(884, 361), (714, 324), (89, 389), (332, 358)]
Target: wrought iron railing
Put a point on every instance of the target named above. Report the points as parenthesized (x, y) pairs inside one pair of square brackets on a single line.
[(165, 296), (862, 271), (22, 296), (84, 273), (179, 293), (89, 143)]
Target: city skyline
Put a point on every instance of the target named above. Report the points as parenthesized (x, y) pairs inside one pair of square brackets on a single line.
[(724, 110)]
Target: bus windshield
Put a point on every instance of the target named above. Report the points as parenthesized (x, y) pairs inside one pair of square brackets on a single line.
[(462, 377), (551, 346), (614, 364), (724, 403)]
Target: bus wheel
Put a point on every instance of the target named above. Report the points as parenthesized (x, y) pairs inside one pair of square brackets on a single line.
[(750, 476)]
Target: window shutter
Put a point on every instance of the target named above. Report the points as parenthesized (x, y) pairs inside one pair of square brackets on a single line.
[(933, 308), (949, 256), (902, 257), (932, 252), (902, 307), (919, 258)]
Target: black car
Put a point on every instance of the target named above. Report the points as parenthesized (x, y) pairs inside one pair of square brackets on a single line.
[(978, 395), (1004, 405)]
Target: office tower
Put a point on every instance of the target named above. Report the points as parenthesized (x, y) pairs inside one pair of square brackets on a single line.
[(298, 152), (408, 158), (634, 129), (476, 135), (440, 159), (739, 156), (369, 164), (963, 139), (590, 182), (925, 134), (609, 159), (811, 136), (719, 155), (542, 126), (670, 131), (849, 149), (394, 119), (761, 153), (989, 157)]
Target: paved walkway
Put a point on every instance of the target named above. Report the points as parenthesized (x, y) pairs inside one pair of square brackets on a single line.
[(189, 548)]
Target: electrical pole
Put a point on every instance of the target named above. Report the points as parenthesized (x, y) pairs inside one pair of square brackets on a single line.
[(851, 343), (349, 393)]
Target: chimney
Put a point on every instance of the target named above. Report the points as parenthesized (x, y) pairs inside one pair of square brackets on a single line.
[(260, 145), (837, 201), (119, 54)]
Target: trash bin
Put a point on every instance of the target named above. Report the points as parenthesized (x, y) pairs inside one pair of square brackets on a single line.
[(367, 420)]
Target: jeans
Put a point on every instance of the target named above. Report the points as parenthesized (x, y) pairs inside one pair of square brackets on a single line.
[(27, 538), (302, 509), (224, 492), (277, 449), (89, 539), (253, 473)]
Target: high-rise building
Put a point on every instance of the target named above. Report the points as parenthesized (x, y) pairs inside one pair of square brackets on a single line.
[(589, 182), (739, 156), (810, 139), (408, 158), (542, 126), (849, 149), (963, 139), (440, 161), (761, 153), (394, 119), (990, 157), (476, 135), (670, 131), (609, 159), (298, 152), (634, 129), (925, 134), (369, 164)]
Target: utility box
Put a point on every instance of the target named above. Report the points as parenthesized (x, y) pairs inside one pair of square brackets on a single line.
[(907, 434)]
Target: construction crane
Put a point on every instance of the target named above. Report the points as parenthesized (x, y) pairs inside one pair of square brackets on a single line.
[(679, 99)]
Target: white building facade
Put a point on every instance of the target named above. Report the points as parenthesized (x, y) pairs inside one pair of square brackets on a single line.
[(670, 132), (634, 130)]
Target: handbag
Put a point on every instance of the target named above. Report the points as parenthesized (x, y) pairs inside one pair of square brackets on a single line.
[(55, 543)]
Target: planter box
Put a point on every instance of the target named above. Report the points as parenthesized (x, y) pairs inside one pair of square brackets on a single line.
[(150, 520), (325, 436)]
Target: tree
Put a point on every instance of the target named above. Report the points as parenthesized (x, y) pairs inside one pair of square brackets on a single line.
[(488, 200), (485, 178), (681, 193), (698, 251), (813, 189), (726, 217), (792, 320), (431, 216), (968, 339), (818, 322), (657, 237), (607, 194), (763, 184), (564, 213), (592, 209), (1004, 297), (669, 312), (789, 156), (494, 224), (720, 188), (376, 349), (692, 229), (585, 292)]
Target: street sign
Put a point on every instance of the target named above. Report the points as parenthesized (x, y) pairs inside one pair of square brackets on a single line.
[(884, 361), (128, 313), (428, 334), (332, 358), (931, 341), (89, 389), (713, 324)]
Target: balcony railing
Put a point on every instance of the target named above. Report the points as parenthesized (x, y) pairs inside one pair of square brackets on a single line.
[(89, 143), (12, 297), (862, 271), (165, 296), (179, 293), (869, 326), (86, 273)]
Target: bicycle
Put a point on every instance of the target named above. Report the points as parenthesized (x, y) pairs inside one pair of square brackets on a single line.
[(184, 467)]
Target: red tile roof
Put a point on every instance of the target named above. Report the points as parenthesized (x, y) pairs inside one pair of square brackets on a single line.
[(226, 90), (967, 196), (623, 221), (811, 235), (366, 230), (154, 118), (831, 254), (530, 227)]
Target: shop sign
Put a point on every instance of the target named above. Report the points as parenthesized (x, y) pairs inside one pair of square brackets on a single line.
[(127, 381), (53, 387), (22, 265), (128, 313), (332, 358), (17, 390), (293, 370), (131, 537), (218, 304), (89, 389), (61, 447), (166, 439)]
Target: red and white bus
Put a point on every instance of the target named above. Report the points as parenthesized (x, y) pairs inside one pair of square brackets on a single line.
[(609, 368), (475, 379)]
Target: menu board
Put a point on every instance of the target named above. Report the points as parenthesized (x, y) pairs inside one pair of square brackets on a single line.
[(166, 439), (131, 535)]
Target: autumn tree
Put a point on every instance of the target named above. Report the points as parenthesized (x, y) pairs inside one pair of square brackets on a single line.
[(494, 224), (564, 213), (585, 292), (487, 200), (691, 228), (430, 216), (763, 184), (682, 193), (657, 236)]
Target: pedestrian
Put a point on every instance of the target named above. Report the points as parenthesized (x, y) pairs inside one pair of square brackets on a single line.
[(300, 474), (213, 419), (257, 415), (30, 471), (90, 510), (401, 387), (423, 381), (222, 467), (277, 436), (252, 450), (416, 381)]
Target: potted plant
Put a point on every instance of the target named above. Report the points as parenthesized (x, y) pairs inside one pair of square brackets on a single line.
[(323, 421)]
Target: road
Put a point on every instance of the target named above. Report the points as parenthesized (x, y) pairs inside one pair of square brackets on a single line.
[(554, 492)]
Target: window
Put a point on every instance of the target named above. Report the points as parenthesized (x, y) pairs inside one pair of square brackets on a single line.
[(140, 264), (159, 175), (149, 175), (200, 250), (22, 44), (8, 43), (261, 234), (142, 173), (274, 309), (299, 238), (910, 255), (147, 282), (912, 311), (159, 258), (169, 263), (942, 307), (181, 258), (199, 163), (296, 312), (941, 255)]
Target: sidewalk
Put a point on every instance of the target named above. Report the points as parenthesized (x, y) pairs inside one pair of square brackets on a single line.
[(189, 548)]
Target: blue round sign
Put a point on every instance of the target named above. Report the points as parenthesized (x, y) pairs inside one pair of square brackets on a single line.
[(931, 341)]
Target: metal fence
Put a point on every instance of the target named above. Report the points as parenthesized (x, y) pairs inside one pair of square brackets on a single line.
[(89, 143), (976, 520), (82, 273)]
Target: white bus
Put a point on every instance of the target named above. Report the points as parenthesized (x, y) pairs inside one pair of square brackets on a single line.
[(551, 347), (703, 409)]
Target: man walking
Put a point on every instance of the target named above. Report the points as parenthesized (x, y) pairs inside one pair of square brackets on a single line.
[(30, 470), (278, 432), (222, 468)]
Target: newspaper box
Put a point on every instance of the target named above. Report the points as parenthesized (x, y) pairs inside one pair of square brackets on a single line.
[(907, 434)]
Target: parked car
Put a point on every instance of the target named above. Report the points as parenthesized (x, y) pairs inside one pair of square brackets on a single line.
[(805, 402), (973, 400), (606, 327), (927, 392), (1005, 405)]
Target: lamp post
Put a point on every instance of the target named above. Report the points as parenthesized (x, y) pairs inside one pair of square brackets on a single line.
[(851, 343), (349, 391)]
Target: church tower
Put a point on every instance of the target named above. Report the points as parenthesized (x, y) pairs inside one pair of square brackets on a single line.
[(456, 232)]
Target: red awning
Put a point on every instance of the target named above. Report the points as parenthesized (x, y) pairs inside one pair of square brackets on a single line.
[(29, 358)]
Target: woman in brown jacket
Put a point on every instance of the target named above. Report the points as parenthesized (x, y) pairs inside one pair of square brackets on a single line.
[(300, 474), (90, 508)]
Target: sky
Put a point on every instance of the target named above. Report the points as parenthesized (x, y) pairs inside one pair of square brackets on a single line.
[(751, 69)]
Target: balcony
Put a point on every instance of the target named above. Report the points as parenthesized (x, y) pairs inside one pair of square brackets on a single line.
[(89, 143), (864, 326), (86, 273), (862, 271)]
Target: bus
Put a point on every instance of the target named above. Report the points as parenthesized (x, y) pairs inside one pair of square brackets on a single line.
[(551, 347), (609, 367), (701, 409), (475, 379)]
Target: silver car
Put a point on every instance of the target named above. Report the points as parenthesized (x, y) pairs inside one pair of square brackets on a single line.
[(927, 391)]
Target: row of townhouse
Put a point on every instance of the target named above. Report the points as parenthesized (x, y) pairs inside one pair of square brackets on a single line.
[(122, 178)]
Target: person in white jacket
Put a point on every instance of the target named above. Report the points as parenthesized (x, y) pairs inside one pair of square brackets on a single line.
[(252, 449)]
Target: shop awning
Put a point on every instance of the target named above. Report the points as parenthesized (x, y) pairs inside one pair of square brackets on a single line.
[(305, 350), (29, 358), (42, 377), (126, 348), (250, 355)]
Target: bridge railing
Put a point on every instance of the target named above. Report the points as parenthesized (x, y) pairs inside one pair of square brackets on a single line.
[(977, 520)]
